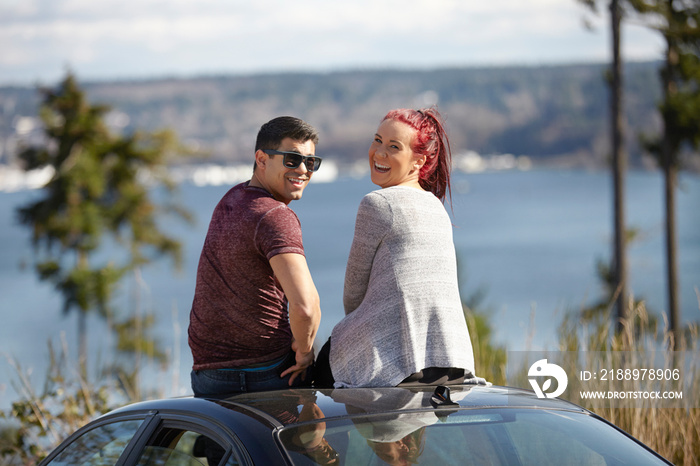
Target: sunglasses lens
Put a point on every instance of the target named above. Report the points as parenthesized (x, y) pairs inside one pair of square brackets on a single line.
[(312, 163), (292, 160)]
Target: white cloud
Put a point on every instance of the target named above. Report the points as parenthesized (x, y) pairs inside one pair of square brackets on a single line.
[(131, 38)]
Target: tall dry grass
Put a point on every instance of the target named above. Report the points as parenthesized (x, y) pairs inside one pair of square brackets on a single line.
[(42, 418), (670, 427), (69, 398), (489, 357)]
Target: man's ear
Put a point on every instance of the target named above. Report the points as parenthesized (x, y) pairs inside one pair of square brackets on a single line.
[(261, 159)]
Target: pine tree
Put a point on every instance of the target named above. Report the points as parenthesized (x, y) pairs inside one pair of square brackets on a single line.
[(679, 23), (99, 190)]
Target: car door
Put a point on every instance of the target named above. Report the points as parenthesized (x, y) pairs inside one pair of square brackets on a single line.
[(150, 439), (182, 442), (98, 444)]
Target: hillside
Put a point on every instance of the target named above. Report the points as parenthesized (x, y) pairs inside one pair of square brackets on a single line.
[(553, 114)]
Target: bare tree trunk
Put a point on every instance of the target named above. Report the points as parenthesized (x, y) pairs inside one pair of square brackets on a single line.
[(82, 342), (670, 167), (670, 179), (82, 326), (619, 164), (138, 330)]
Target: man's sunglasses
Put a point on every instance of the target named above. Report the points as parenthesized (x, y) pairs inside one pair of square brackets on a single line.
[(294, 159)]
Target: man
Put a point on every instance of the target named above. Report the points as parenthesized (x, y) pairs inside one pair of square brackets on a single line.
[(256, 310)]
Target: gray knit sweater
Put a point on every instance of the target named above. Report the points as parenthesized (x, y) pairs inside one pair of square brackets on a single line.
[(402, 304)]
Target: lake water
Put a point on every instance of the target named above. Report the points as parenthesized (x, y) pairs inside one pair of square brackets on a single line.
[(528, 240)]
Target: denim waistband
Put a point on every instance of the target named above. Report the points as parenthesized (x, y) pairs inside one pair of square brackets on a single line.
[(259, 367)]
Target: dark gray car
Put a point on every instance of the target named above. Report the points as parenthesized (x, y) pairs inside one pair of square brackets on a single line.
[(462, 424)]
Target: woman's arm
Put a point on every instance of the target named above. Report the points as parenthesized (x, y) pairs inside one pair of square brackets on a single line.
[(371, 225)]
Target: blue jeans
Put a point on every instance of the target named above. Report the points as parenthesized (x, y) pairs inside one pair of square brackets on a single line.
[(218, 382)]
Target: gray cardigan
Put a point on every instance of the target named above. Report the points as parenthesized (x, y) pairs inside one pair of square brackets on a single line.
[(402, 304)]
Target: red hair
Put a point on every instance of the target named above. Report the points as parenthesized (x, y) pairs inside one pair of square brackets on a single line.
[(431, 141)]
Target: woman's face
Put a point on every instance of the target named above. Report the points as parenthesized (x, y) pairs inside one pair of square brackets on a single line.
[(392, 162)]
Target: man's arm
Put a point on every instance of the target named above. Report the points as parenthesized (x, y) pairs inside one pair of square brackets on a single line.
[(293, 274)]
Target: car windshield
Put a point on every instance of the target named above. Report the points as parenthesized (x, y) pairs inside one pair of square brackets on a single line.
[(504, 436)]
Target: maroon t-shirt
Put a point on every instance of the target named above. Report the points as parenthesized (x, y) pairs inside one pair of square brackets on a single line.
[(239, 312)]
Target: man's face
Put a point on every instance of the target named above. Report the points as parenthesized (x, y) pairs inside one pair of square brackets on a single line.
[(285, 184)]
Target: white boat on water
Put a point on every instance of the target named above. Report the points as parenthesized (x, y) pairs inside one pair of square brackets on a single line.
[(14, 179)]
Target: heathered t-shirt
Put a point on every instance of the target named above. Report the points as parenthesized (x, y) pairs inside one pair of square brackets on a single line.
[(239, 312), (402, 303)]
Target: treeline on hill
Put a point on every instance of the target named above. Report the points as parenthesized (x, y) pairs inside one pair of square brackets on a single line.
[(550, 113)]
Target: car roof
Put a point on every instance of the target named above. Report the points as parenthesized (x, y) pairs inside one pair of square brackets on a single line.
[(271, 407)]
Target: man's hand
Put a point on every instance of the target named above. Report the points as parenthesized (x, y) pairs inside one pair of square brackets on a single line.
[(303, 361)]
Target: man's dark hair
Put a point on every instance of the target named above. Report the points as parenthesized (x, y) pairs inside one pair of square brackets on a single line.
[(271, 133)]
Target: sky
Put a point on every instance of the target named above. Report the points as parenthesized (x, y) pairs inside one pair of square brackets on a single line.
[(40, 40)]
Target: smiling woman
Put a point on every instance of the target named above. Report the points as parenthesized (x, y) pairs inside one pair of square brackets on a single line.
[(411, 148), (391, 159), (404, 323)]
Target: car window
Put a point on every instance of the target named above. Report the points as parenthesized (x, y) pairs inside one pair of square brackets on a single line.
[(100, 446), (493, 436), (176, 446), (562, 437)]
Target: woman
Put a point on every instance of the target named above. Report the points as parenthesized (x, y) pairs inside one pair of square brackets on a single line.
[(404, 322)]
